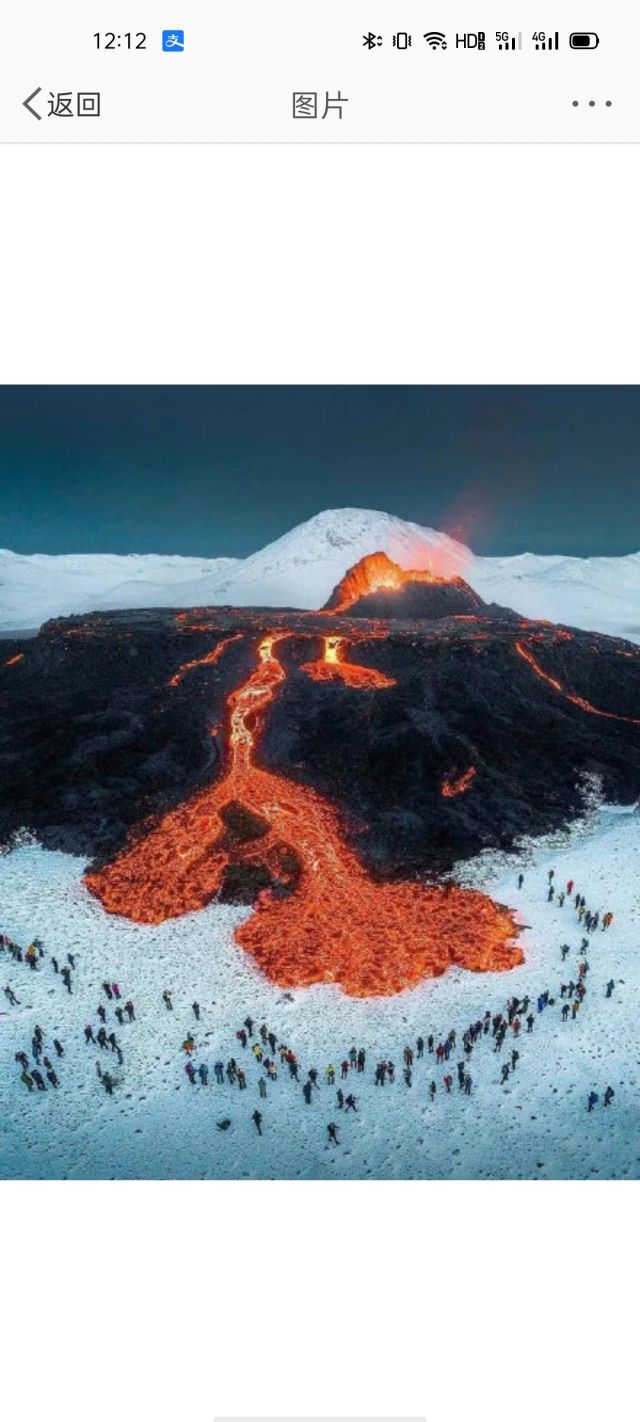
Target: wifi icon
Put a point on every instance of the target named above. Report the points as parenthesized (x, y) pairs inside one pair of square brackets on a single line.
[(435, 39)]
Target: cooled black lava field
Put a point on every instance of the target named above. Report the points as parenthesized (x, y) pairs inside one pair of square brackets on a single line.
[(470, 730)]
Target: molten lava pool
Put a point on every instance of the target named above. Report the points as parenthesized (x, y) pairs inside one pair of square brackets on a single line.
[(325, 920)]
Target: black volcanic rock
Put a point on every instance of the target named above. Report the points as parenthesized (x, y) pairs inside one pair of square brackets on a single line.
[(99, 736), (419, 601)]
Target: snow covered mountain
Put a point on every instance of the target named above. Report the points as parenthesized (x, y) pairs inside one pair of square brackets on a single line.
[(302, 568)]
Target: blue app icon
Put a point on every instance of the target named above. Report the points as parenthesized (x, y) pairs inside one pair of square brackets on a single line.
[(173, 41)]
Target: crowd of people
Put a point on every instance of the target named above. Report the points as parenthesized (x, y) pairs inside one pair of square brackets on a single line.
[(261, 1057)]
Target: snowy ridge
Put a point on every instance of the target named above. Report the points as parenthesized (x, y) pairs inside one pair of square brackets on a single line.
[(301, 568)]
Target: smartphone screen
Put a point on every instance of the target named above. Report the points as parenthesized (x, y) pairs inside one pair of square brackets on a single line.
[(319, 710)]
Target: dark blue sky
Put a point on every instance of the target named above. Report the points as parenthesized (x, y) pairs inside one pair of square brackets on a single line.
[(223, 470)]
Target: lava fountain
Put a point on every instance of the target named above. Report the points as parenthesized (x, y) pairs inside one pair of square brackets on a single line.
[(324, 920)]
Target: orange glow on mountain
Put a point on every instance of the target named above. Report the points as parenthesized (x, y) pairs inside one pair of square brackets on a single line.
[(12, 660), (376, 572), (332, 667), (373, 573), (524, 651), (325, 919), (206, 661), (458, 785)]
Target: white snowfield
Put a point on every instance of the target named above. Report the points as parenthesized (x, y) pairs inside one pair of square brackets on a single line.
[(158, 1126), (302, 568)]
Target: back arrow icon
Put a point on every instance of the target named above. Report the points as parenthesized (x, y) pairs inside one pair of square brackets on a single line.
[(26, 104)]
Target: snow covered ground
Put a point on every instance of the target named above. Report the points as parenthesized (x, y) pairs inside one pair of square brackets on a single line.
[(158, 1126), (302, 568)]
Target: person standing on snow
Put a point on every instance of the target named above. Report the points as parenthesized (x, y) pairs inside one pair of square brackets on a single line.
[(257, 1119), (592, 1100)]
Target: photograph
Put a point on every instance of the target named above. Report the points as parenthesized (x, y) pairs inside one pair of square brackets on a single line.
[(320, 783)]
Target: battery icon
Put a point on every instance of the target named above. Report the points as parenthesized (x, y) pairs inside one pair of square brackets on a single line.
[(584, 39)]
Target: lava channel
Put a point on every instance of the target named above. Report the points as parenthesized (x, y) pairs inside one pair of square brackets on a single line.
[(332, 667), (524, 651), (327, 922), (458, 785), (207, 661)]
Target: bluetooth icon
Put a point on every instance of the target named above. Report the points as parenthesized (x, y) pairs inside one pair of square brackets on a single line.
[(371, 41)]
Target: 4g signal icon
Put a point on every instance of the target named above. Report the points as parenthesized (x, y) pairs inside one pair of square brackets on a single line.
[(435, 39)]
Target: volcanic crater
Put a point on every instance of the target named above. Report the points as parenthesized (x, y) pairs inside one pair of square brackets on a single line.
[(327, 768)]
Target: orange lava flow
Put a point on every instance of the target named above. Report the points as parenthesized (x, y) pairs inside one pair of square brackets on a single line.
[(331, 667), (337, 925), (375, 572), (12, 660), (205, 661), (458, 786), (527, 654)]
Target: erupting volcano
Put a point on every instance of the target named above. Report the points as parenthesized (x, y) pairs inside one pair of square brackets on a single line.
[(326, 919), (378, 587), (274, 768)]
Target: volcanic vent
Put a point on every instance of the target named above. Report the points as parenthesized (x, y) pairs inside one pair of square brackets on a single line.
[(377, 587)]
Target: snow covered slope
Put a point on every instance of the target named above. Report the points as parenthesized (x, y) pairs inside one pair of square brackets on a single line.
[(302, 568), (599, 594), (39, 586), (157, 1126)]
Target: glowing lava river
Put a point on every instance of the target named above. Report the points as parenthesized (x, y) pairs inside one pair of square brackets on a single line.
[(325, 919)]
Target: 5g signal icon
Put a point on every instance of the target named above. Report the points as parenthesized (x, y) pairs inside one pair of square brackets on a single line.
[(435, 39)]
